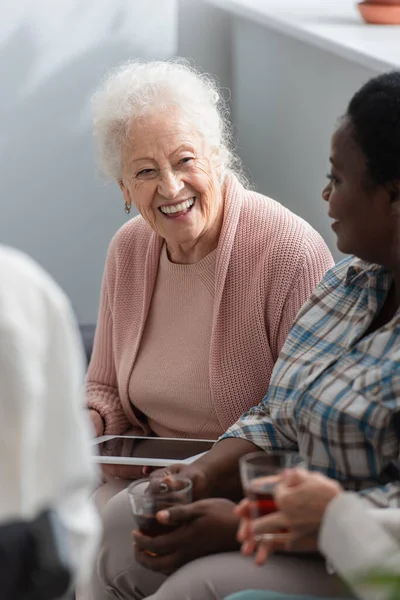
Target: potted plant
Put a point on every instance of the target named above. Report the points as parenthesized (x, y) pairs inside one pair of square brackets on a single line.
[(381, 12), (383, 581)]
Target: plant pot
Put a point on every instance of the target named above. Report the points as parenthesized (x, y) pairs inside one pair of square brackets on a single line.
[(380, 14), (385, 2)]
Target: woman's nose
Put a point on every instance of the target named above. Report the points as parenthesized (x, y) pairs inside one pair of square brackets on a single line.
[(326, 192), (170, 185)]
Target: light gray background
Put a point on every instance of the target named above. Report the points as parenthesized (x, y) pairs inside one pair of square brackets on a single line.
[(54, 203), (288, 96)]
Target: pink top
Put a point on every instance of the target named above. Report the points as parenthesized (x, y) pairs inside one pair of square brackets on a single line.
[(172, 364), (268, 262)]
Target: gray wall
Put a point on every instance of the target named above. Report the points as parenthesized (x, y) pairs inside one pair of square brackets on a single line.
[(54, 203), (287, 96), (205, 38)]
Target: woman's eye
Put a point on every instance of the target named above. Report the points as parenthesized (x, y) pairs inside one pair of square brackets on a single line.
[(186, 160), (332, 178), (145, 172)]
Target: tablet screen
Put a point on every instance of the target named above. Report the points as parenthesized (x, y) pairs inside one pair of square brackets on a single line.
[(142, 447)]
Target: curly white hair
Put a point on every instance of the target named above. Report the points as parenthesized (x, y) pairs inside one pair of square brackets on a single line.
[(136, 87)]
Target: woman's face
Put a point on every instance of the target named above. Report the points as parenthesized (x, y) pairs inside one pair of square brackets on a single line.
[(360, 210), (170, 174)]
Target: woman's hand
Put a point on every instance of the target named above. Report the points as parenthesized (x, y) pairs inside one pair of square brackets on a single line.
[(97, 422), (122, 471), (216, 473), (195, 473), (111, 471), (201, 528), (302, 498)]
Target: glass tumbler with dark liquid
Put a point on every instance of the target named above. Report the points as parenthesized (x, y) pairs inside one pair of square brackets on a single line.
[(148, 496), (260, 472)]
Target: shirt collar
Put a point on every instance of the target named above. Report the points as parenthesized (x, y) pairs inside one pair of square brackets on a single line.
[(359, 274)]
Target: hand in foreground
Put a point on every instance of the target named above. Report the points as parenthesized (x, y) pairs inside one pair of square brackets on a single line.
[(193, 472), (202, 528), (302, 498)]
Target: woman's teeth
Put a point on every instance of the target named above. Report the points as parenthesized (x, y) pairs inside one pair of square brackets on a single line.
[(185, 205)]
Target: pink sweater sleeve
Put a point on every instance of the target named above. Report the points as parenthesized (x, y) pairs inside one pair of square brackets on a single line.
[(316, 261), (101, 383)]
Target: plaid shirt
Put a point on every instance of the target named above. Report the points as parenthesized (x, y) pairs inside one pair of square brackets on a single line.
[(334, 393)]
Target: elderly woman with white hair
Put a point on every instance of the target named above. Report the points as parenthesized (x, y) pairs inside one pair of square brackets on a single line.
[(200, 289)]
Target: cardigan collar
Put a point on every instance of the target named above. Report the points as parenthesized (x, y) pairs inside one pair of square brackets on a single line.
[(233, 195)]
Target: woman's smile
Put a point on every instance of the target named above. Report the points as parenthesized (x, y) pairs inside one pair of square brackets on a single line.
[(178, 209)]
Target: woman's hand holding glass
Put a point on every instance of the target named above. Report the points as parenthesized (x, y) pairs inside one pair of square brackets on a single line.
[(301, 498)]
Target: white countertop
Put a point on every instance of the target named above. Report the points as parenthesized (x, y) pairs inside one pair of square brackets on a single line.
[(334, 25)]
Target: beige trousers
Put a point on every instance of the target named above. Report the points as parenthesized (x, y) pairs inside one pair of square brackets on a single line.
[(118, 576), (101, 497)]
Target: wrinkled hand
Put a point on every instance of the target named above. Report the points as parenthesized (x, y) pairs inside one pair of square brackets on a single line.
[(125, 471), (196, 474), (202, 528), (113, 471), (97, 422), (122, 471), (302, 498), (250, 530)]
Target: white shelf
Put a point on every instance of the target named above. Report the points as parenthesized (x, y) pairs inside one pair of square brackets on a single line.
[(333, 25)]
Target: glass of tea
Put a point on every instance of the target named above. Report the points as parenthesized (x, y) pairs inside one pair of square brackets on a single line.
[(260, 472), (148, 496)]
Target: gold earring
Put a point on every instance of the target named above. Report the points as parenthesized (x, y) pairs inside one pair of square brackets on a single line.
[(127, 208)]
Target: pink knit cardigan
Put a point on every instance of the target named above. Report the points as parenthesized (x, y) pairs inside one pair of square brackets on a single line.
[(268, 263)]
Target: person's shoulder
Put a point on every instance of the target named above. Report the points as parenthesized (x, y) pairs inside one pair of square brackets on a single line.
[(18, 270), (281, 233), (336, 278), (132, 236), (343, 270), (135, 230), (26, 286), (278, 220), (330, 289)]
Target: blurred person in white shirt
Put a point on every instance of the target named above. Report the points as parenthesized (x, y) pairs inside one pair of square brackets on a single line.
[(45, 457)]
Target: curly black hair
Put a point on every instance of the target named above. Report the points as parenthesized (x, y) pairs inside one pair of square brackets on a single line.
[(374, 116)]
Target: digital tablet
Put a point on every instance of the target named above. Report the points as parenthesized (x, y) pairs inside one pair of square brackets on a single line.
[(149, 451)]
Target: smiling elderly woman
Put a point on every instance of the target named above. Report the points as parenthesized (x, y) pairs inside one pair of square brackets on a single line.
[(200, 289)]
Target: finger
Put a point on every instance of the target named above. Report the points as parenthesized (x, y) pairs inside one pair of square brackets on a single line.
[(244, 531), (262, 553), (144, 542), (268, 524), (293, 477), (243, 508), (160, 473), (163, 544), (265, 549), (176, 468), (177, 515), (161, 564), (248, 547), (288, 485), (146, 471), (171, 470), (160, 545)]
